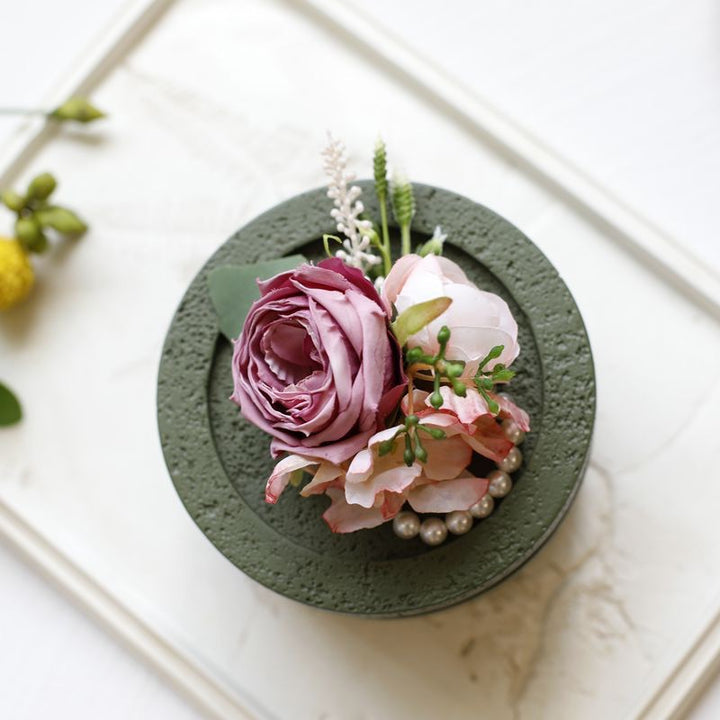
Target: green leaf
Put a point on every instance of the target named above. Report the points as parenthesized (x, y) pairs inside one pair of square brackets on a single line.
[(10, 411), (416, 317), (233, 289)]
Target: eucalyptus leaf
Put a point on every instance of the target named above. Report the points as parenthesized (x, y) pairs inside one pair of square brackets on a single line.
[(416, 317), (10, 411), (233, 289)]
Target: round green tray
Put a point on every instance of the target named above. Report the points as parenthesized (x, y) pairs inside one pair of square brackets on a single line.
[(219, 462)]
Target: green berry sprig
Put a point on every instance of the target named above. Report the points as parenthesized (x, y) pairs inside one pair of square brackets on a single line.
[(485, 380), (76, 109), (442, 368), (414, 449), (35, 214)]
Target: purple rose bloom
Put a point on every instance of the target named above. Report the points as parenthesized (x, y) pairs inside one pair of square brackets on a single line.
[(316, 365)]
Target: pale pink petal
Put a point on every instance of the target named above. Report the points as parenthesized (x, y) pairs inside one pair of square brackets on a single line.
[(326, 474), (489, 439), (447, 458), (392, 479), (344, 518), (467, 409), (398, 274), (281, 473), (441, 497), (508, 409)]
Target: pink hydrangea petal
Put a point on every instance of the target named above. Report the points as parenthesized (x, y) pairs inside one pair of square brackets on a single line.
[(447, 458), (281, 473), (489, 439), (449, 495), (324, 476), (342, 517), (508, 409), (395, 478), (467, 409)]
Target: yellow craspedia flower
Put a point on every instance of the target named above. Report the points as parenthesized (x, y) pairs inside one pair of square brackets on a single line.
[(16, 273)]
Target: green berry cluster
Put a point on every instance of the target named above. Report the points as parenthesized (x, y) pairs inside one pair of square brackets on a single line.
[(442, 368), (485, 380), (36, 214)]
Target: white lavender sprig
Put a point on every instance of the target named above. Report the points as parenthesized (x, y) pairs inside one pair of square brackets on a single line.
[(348, 208)]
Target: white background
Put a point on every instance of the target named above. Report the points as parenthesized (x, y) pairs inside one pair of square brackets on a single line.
[(628, 94)]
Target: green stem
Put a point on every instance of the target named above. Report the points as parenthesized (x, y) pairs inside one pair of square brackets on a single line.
[(387, 258), (21, 111), (405, 239)]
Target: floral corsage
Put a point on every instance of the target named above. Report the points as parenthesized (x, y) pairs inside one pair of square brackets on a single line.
[(378, 380)]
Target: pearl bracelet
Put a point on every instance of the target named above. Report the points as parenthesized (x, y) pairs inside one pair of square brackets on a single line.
[(434, 530)]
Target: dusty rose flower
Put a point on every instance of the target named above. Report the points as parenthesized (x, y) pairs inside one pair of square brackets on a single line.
[(478, 320), (316, 366)]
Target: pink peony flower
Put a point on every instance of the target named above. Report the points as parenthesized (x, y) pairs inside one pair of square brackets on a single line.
[(316, 365), (478, 320)]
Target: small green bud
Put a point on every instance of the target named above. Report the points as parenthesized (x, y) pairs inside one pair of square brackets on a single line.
[(459, 388), (65, 221), (77, 109), (414, 355), (436, 400), (409, 457), (12, 200), (411, 420), (443, 335), (434, 246), (437, 433), (502, 375), (30, 234), (386, 447), (41, 187), (420, 453), (454, 369)]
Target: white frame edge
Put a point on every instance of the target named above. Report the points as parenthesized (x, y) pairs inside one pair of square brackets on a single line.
[(202, 690), (656, 249)]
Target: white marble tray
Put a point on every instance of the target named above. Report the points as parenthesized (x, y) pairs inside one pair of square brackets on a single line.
[(215, 117)]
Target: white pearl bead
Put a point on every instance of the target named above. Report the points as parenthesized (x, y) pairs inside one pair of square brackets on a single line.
[(459, 522), (500, 484), (512, 431), (433, 531), (511, 462), (483, 507), (406, 525)]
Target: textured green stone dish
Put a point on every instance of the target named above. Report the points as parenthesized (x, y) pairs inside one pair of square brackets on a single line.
[(219, 462)]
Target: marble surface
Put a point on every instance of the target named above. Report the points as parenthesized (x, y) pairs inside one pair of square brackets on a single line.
[(623, 91), (205, 135)]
